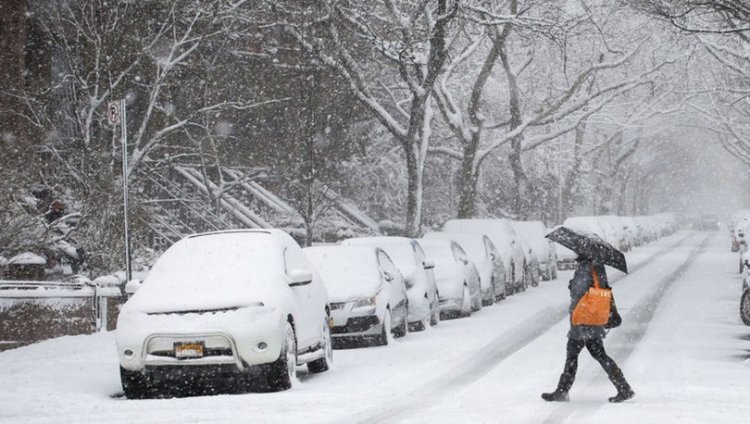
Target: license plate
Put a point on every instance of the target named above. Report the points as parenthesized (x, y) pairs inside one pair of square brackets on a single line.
[(184, 350)]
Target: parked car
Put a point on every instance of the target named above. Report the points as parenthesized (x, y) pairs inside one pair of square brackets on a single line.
[(534, 232), (457, 278), (566, 258), (596, 225), (418, 272), (505, 239), (366, 290), (486, 258), (745, 297), (242, 305)]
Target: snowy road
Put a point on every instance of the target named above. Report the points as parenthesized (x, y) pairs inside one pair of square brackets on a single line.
[(681, 346)]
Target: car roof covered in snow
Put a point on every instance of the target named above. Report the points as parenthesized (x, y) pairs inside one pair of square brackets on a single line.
[(349, 272), (216, 270)]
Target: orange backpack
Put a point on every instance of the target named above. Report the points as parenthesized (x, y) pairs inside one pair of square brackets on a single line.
[(594, 306)]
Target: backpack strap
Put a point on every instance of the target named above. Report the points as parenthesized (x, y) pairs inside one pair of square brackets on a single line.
[(595, 276)]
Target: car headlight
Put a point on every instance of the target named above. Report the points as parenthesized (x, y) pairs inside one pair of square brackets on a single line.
[(366, 302)]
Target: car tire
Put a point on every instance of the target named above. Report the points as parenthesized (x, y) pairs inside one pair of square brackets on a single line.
[(745, 307), (466, 306), (282, 372), (324, 363), (490, 300), (134, 384), (386, 337), (402, 329)]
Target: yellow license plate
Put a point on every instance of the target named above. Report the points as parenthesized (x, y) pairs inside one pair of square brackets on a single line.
[(184, 350)]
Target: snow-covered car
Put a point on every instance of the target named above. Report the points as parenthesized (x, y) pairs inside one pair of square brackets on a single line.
[(597, 225), (366, 290), (534, 232), (486, 258), (456, 276), (244, 306), (745, 298), (615, 226), (505, 239), (418, 272)]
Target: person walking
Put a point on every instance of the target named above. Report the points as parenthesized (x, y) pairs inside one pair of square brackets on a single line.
[(590, 337)]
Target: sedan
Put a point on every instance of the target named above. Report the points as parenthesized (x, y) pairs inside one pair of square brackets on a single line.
[(418, 274), (456, 276), (486, 258), (366, 290)]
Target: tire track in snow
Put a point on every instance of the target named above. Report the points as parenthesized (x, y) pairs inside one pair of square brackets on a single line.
[(638, 321), (483, 360)]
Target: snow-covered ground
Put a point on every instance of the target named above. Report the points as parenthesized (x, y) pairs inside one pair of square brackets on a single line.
[(681, 345)]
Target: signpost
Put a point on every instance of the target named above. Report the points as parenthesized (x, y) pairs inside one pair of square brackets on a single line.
[(116, 115)]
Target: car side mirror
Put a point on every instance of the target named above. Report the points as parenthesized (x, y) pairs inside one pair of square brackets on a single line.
[(300, 277), (132, 286), (428, 264)]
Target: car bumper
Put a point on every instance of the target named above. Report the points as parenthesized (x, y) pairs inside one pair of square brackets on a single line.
[(239, 338), (358, 327)]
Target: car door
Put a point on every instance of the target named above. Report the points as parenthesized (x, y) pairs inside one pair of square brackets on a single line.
[(309, 301), (395, 282), (426, 268)]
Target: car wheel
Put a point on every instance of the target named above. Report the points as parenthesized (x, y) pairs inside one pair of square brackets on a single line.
[(533, 278), (745, 307), (401, 330), (134, 384), (386, 337), (324, 363), (491, 299), (283, 371), (434, 315), (465, 302)]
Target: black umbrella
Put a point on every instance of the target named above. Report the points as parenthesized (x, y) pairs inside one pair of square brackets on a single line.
[(589, 245)]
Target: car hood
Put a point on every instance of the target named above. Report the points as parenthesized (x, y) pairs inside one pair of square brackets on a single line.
[(348, 290)]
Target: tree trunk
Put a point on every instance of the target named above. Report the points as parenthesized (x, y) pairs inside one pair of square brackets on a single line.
[(414, 195), (567, 198), (468, 179), (520, 200)]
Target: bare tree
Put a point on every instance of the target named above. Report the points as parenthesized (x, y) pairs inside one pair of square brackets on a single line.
[(583, 79), (391, 55)]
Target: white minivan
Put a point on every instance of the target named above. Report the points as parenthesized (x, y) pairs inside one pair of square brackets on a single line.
[(245, 305)]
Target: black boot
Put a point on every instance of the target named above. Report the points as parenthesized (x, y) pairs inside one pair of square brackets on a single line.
[(624, 391), (622, 395), (556, 396)]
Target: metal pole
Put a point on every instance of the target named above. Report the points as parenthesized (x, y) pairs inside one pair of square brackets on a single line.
[(124, 128)]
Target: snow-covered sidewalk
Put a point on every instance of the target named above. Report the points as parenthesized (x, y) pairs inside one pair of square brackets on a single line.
[(688, 366)]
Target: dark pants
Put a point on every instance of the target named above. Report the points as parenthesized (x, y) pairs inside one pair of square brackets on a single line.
[(596, 349)]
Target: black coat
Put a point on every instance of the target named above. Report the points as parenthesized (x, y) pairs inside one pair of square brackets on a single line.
[(578, 286)]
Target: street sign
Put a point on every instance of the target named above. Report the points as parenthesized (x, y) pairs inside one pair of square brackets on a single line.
[(113, 112)]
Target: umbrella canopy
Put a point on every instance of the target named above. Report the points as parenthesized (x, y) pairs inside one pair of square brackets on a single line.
[(590, 245)]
